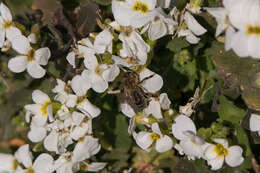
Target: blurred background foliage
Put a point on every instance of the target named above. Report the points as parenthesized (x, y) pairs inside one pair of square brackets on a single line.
[(229, 86)]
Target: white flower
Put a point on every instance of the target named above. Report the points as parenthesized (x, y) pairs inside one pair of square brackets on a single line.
[(57, 141), (150, 82), (95, 166), (81, 130), (133, 46), (42, 164), (193, 29), (246, 40), (8, 163), (36, 133), (7, 28), (85, 48), (64, 93), (184, 130), (29, 58), (42, 109), (221, 15), (216, 154), (135, 13), (254, 123), (156, 104), (144, 139), (99, 74), (85, 148), (160, 26)]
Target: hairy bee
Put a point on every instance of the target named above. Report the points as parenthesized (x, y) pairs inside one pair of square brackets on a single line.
[(132, 92)]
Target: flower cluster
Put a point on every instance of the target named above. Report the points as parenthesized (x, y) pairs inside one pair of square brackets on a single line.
[(121, 52), (239, 20)]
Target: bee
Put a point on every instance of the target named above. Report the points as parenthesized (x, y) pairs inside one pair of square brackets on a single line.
[(132, 92)]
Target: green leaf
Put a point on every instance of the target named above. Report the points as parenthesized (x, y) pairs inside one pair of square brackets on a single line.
[(102, 2), (244, 143), (123, 140), (177, 44), (229, 112)]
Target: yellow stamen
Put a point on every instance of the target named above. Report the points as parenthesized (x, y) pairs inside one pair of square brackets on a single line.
[(44, 108), (141, 7), (154, 136), (220, 150), (15, 165), (7, 24), (253, 30), (30, 55), (30, 170)]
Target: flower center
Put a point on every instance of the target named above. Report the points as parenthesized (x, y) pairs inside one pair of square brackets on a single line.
[(30, 170), (30, 55), (44, 108), (15, 165), (7, 24), (141, 7), (154, 136), (253, 30), (220, 150), (98, 70)]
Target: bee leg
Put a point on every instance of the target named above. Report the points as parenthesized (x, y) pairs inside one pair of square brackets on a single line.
[(114, 91)]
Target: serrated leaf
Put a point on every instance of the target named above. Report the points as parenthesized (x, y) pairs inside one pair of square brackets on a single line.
[(229, 112)]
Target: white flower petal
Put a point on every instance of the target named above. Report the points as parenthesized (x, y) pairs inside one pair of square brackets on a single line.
[(12, 32), (43, 163), (216, 163), (71, 59), (77, 117), (143, 140), (229, 38), (254, 122), (154, 108), (51, 142), (165, 101), (24, 156), (96, 166), (39, 120), (85, 149), (240, 44), (36, 134), (21, 44), (152, 84), (2, 36), (111, 73), (79, 85), (5, 12), (35, 70), (127, 110), (224, 142), (210, 152), (88, 108), (7, 163), (193, 25), (40, 97), (43, 55), (164, 144), (234, 157), (102, 41), (183, 123), (122, 12), (99, 84), (18, 64)]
